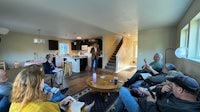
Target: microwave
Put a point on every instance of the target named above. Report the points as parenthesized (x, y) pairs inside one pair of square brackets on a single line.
[(84, 47)]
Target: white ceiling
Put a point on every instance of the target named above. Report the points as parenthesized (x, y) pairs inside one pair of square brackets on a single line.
[(89, 18)]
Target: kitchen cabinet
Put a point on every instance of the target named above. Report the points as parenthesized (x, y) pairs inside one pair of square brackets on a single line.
[(85, 42), (100, 62), (83, 64), (76, 45)]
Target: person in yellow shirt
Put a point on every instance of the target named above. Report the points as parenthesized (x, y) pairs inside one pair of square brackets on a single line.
[(28, 96)]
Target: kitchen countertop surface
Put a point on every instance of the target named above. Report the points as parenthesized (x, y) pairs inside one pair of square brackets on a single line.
[(76, 57)]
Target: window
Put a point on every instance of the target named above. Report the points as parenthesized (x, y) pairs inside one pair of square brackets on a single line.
[(184, 37), (190, 38), (64, 49)]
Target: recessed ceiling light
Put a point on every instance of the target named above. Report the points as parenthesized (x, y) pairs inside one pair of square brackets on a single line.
[(79, 37)]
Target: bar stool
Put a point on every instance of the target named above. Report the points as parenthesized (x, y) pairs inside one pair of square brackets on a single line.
[(67, 68), (3, 64), (16, 64)]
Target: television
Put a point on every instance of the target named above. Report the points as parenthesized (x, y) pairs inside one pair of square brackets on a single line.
[(53, 45)]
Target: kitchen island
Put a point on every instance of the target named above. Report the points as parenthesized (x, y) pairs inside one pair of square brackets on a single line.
[(79, 63)]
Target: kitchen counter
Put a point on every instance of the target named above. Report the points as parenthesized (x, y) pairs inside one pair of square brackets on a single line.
[(79, 63)]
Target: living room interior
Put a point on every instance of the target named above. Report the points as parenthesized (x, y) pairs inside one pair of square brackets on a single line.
[(144, 27)]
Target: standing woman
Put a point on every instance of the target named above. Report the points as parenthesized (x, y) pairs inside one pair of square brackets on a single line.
[(28, 96)]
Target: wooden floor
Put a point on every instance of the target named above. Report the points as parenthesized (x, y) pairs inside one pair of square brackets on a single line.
[(76, 82)]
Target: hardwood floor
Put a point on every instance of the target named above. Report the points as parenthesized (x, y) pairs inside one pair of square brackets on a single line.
[(76, 82)]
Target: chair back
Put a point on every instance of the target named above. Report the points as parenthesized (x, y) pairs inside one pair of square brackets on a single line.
[(16, 64), (3, 65)]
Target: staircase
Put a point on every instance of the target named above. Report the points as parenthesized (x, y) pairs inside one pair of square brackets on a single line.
[(111, 65)]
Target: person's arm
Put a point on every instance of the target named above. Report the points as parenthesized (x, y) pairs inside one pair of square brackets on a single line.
[(145, 64), (148, 104), (152, 70), (92, 50), (153, 80)]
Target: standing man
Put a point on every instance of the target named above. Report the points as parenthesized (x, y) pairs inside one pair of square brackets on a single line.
[(95, 51)]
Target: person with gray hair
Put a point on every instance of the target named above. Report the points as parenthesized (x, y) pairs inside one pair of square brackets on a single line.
[(156, 65), (49, 68)]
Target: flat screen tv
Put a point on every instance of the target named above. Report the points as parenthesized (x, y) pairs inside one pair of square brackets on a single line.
[(53, 45)]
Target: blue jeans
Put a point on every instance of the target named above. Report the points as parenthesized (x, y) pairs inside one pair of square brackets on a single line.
[(4, 104), (126, 100), (136, 77), (137, 84), (92, 64), (56, 96)]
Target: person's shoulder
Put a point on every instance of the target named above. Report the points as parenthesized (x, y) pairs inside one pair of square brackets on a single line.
[(47, 106)]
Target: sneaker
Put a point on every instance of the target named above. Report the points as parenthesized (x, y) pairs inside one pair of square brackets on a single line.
[(125, 84), (63, 91)]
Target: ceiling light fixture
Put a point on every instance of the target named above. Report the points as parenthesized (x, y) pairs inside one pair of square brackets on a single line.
[(79, 38), (38, 40)]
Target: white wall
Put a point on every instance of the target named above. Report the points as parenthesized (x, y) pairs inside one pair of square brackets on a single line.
[(109, 45), (20, 47), (126, 54), (154, 40), (187, 66)]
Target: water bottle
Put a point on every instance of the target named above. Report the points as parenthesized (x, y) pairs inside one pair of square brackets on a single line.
[(94, 77)]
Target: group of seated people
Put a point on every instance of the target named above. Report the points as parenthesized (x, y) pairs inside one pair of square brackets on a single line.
[(29, 93), (167, 90)]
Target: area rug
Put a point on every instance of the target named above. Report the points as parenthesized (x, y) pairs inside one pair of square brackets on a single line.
[(100, 105)]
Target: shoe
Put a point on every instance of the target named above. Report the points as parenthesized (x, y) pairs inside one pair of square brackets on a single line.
[(63, 91), (125, 84), (88, 107)]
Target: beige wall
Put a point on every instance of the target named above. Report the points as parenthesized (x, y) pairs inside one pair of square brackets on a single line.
[(109, 44), (20, 47), (126, 54), (155, 40), (187, 66)]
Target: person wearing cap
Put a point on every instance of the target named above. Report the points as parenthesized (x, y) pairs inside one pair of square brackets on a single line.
[(181, 95), (156, 65), (156, 78), (5, 90)]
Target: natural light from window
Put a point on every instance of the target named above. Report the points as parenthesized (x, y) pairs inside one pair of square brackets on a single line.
[(63, 47), (190, 38)]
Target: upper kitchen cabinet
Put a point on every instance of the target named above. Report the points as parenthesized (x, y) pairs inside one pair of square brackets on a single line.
[(76, 45), (85, 42)]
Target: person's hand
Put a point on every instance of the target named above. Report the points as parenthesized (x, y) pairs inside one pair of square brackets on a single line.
[(151, 99), (149, 67), (66, 102), (166, 88), (145, 61)]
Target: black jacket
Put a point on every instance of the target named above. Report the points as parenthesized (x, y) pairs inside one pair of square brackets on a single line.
[(48, 68), (167, 102)]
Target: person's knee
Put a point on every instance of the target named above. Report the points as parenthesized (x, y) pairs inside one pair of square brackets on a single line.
[(123, 91), (4, 104)]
